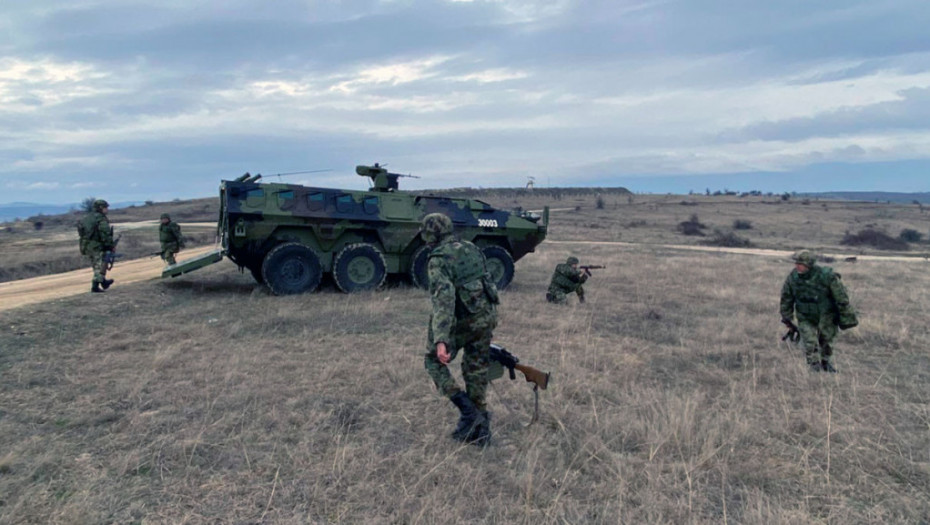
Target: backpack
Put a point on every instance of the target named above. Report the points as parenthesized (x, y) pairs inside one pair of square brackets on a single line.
[(85, 231)]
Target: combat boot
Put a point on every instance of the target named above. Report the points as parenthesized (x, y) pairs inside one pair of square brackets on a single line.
[(469, 416), (815, 367), (482, 435), (827, 366), (106, 283), (95, 288)]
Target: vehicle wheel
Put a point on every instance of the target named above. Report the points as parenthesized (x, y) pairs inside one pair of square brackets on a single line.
[(359, 267), (500, 265), (257, 273), (418, 274), (291, 268)]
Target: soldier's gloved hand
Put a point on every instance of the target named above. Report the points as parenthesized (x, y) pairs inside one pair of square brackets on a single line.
[(785, 321)]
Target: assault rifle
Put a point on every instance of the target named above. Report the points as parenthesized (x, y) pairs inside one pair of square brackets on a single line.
[(587, 269), (110, 256), (511, 362), (793, 335)]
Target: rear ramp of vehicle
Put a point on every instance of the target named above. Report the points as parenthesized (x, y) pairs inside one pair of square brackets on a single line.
[(190, 265)]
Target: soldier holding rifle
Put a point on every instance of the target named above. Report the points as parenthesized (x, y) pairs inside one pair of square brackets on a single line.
[(817, 295), (568, 278), (96, 241), (169, 235)]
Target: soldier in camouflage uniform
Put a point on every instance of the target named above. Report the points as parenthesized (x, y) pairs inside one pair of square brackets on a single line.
[(169, 233), (566, 279), (817, 295), (464, 301), (96, 239)]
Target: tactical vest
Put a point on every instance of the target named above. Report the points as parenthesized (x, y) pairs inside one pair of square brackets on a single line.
[(466, 266), (561, 279), (812, 294), (167, 233)]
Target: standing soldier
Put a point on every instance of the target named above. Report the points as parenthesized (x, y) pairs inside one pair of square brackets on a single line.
[(817, 295), (169, 233), (566, 279), (97, 239), (464, 301)]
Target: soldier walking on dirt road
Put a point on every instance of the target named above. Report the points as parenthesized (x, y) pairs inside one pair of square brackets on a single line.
[(817, 295), (464, 314), (96, 239), (169, 234)]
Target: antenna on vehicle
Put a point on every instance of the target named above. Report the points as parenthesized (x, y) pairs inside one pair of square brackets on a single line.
[(279, 175)]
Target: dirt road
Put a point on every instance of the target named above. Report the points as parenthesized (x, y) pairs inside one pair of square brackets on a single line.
[(747, 251), (14, 294)]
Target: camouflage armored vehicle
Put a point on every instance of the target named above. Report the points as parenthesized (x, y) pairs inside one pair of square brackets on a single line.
[(288, 236)]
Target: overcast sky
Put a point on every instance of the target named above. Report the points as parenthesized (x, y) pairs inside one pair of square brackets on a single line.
[(139, 100)]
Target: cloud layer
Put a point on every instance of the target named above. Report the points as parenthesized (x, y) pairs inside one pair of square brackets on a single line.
[(155, 100)]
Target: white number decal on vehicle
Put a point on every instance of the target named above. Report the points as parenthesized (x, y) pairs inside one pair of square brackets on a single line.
[(487, 223)]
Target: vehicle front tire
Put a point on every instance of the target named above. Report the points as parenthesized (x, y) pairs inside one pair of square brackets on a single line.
[(291, 268), (358, 267), (500, 265)]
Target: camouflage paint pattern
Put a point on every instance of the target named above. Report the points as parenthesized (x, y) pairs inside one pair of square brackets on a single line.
[(817, 297), (464, 314), (254, 218)]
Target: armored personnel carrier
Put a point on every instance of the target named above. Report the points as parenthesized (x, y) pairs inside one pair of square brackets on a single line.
[(288, 236)]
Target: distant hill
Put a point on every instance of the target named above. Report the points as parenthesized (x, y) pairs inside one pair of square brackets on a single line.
[(23, 210), (872, 196)]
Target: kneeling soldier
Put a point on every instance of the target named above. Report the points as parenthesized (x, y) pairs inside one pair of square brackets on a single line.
[(566, 279)]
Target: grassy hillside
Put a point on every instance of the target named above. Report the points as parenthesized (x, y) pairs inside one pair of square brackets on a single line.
[(205, 400)]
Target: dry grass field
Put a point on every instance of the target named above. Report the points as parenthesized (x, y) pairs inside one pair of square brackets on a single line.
[(205, 400)]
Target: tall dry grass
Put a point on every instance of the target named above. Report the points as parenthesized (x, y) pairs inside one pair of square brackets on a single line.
[(205, 400)]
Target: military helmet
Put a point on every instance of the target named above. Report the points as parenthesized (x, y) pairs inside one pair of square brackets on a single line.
[(165, 216), (805, 257), (100, 204), (435, 226), (571, 260)]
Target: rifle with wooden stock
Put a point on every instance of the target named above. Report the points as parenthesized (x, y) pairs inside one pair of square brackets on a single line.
[(540, 379)]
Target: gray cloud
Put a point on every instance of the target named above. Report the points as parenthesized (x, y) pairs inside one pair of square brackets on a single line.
[(157, 100)]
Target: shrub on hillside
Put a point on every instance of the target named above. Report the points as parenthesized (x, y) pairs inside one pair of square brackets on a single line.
[(740, 224), (728, 240), (692, 226), (909, 235), (874, 238), (87, 205)]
